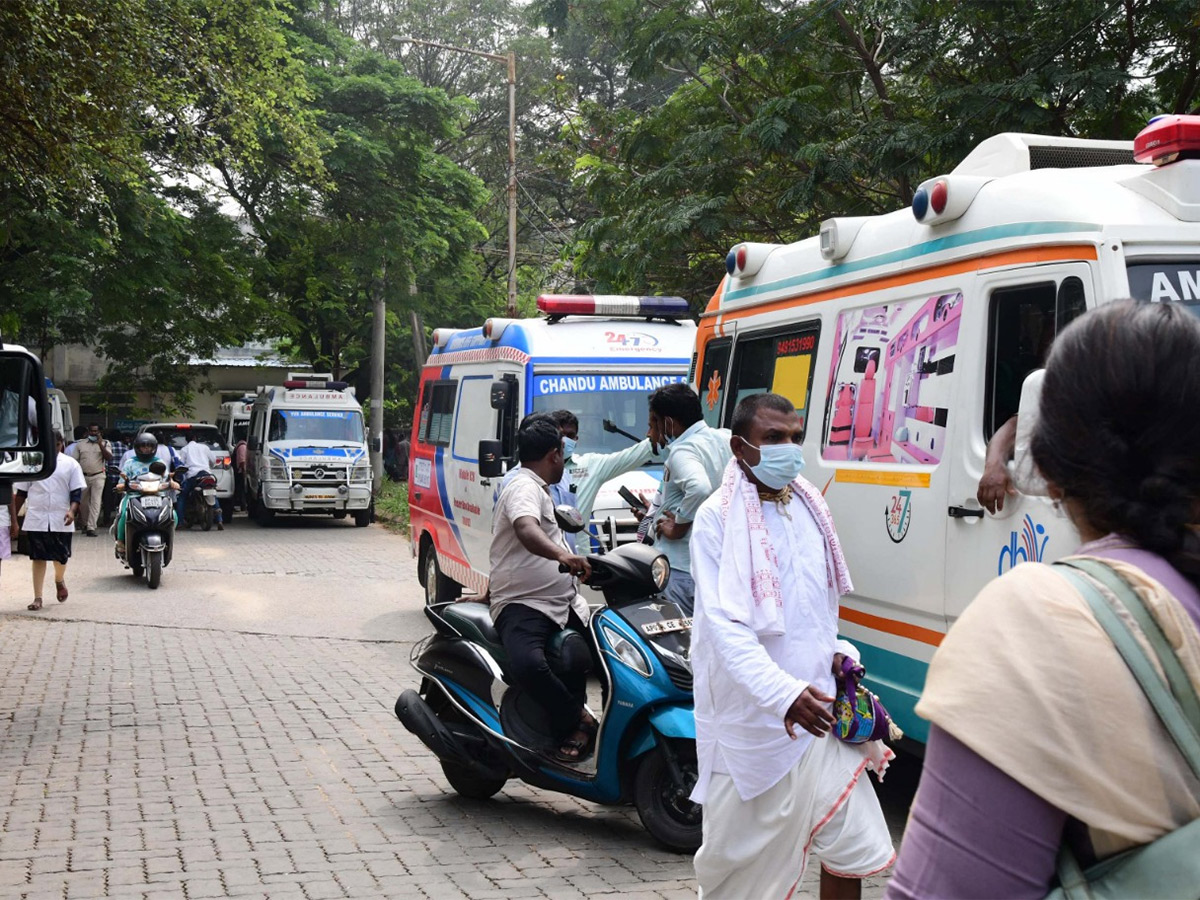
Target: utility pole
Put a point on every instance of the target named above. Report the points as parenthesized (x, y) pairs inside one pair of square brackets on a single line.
[(510, 61), (378, 343)]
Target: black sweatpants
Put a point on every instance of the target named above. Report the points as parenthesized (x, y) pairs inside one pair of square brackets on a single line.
[(524, 632)]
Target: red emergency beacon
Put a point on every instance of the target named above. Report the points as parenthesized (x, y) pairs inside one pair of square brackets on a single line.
[(1168, 138)]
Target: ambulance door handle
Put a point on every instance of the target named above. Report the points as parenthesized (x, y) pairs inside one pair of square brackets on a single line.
[(965, 512)]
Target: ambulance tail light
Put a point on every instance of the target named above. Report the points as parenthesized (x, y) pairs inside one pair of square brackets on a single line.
[(1167, 139), (493, 329), (441, 336), (558, 305), (945, 198), (745, 259)]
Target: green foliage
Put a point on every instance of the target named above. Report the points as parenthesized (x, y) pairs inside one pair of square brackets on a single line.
[(788, 115)]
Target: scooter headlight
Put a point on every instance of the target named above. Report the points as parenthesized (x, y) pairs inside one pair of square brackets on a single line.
[(660, 571), (624, 650)]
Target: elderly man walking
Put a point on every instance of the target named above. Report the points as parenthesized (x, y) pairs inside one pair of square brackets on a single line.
[(775, 783)]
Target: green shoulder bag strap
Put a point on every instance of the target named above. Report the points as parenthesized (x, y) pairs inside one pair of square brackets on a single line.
[(1170, 863)]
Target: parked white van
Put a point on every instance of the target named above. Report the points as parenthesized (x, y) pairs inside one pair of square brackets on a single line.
[(599, 356), (307, 451), (904, 339)]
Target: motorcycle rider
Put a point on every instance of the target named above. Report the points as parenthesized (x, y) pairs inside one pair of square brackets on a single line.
[(144, 450), (197, 458), (531, 600)]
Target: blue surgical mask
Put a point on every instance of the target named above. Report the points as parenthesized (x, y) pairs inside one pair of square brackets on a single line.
[(93, 438), (779, 464), (569, 445)]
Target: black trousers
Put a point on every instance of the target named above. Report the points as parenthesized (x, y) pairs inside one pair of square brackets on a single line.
[(524, 632)]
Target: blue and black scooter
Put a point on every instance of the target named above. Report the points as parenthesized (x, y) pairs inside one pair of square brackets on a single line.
[(485, 731)]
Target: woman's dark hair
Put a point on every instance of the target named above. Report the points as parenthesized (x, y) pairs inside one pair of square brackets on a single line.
[(677, 401), (536, 437), (1119, 430)]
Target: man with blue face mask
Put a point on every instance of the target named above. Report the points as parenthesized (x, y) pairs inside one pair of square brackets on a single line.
[(775, 784), (696, 457)]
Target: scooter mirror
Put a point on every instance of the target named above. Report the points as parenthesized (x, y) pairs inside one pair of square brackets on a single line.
[(569, 518)]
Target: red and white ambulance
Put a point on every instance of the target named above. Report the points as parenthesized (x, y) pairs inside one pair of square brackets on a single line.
[(599, 356)]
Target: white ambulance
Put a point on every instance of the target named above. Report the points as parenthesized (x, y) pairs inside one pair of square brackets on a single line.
[(599, 356), (307, 451), (233, 419), (904, 340)]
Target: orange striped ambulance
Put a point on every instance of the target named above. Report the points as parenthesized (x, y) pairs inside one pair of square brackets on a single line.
[(904, 340)]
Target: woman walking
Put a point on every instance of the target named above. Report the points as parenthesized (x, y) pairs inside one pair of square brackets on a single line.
[(1043, 741), (51, 506)]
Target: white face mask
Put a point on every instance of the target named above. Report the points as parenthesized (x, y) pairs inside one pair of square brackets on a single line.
[(778, 464)]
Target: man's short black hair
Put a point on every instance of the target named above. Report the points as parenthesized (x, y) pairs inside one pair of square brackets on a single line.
[(677, 401), (749, 407), (537, 436), (565, 419)]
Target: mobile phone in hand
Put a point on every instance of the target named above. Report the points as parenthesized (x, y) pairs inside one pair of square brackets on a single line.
[(631, 498)]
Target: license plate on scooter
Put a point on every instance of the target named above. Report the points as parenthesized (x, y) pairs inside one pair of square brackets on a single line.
[(210, 492), (666, 626), (152, 502)]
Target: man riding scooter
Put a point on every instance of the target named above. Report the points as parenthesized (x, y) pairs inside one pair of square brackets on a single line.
[(531, 600), (145, 446)]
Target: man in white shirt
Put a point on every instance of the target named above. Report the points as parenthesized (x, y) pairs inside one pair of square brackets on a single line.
[(530, 599), (774, 782), (198, 458), (696, 457)]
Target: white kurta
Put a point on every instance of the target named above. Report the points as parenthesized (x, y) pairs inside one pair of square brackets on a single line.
[(745, 683), (48, 501)]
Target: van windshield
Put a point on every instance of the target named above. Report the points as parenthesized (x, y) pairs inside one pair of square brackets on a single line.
[(341, 426), (621, 397), (1174, 281)]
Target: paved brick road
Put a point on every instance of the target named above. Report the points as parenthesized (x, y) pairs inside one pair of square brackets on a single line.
[(159, 744)]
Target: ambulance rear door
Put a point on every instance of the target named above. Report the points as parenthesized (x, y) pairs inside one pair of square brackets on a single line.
[(1007, 329)]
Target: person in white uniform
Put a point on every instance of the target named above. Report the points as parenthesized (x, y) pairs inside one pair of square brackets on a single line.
[(774, 782), (51, 506)]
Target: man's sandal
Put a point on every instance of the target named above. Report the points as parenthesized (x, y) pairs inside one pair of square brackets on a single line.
[(61, 591), (35, 605), (575, 749)]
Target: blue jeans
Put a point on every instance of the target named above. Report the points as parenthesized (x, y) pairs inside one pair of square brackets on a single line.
[(681, 590)]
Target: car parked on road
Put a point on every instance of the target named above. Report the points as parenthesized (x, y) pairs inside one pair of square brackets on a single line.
[(210, 436)]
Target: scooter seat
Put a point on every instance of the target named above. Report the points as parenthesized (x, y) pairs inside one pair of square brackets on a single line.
[(473, 621)]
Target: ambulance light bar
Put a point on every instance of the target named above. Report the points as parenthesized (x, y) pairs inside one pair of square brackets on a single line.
[(293, 383), (1166, 138), (946, 198), (612, 305)]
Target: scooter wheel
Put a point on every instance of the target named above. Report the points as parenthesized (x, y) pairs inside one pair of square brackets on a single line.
[(206, 521), (663, 805), (154, 573), (470, 784)]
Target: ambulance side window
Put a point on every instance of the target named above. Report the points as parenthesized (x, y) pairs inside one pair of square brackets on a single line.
[(711, 379), (779, 362), (1022, 322), (437, 412)]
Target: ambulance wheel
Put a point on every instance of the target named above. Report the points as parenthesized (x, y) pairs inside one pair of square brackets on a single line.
[(663, 806), (362, 518), (438, 588), (263, 514)]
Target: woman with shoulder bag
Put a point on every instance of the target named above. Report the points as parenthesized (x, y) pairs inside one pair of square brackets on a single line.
[(1049, 752)]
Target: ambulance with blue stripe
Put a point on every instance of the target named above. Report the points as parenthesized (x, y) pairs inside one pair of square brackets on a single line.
[(599, 356), (306, 451), (904, 340)]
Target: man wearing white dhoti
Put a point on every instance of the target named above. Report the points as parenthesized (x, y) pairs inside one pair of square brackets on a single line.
[(774, 782)]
